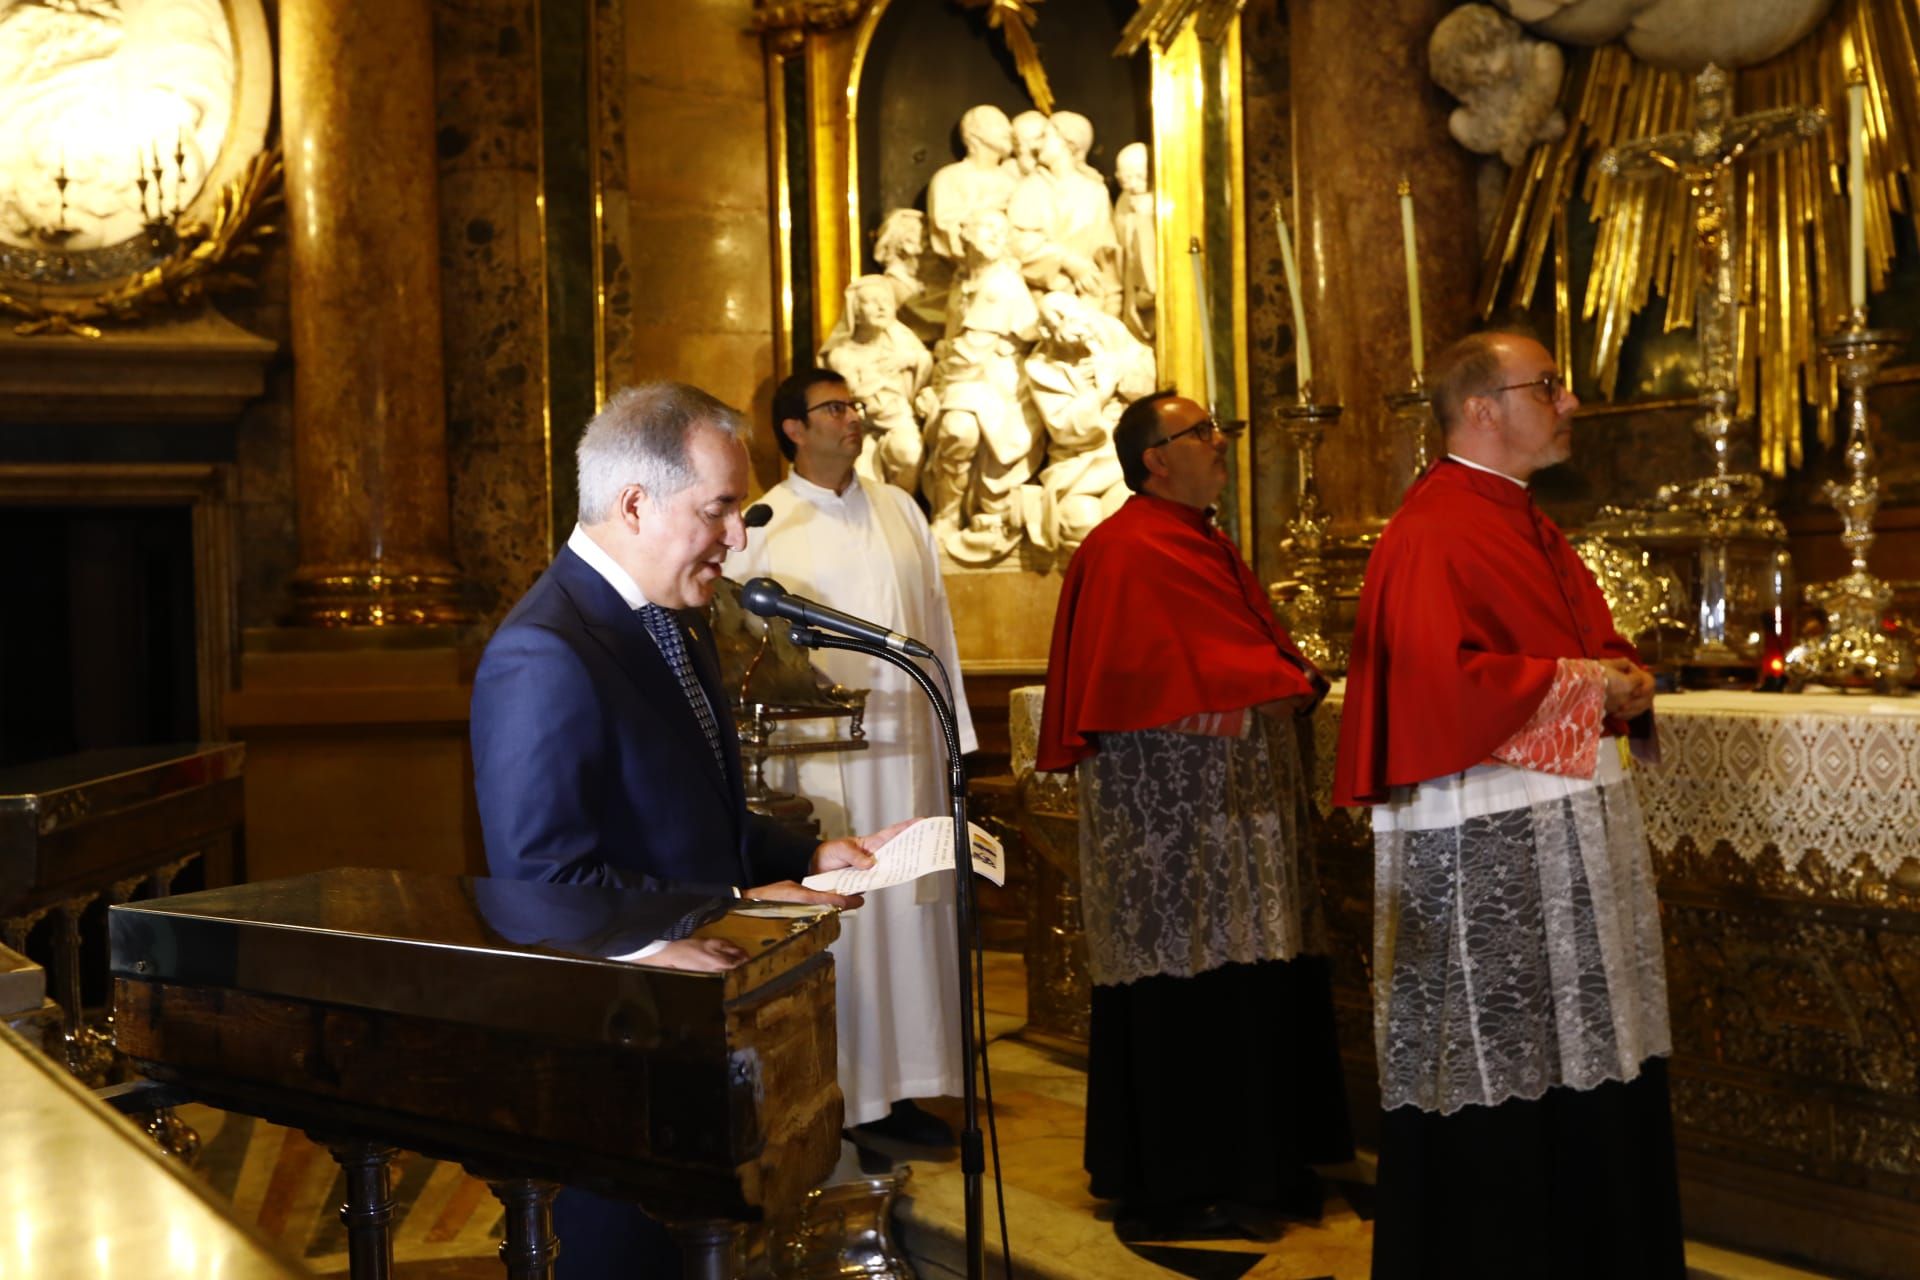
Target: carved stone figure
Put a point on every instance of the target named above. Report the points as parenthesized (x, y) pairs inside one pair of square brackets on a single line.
[(1133, 228), (1682, 35), (1029, 129), (1508, 83), (1077, 131), (975, 182), (1062, 227), (919, 280), (983, 443), (1086, 368), (886, 366)]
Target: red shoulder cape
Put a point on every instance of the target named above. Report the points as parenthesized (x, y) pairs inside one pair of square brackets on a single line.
[(1471, 597), (1160, 618)]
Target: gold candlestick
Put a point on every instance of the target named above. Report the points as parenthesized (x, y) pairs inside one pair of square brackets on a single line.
[(1304, 596), (1857, 650), (1413, 413)]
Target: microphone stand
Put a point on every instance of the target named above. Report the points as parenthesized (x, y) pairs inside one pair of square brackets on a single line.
[(972, 1151)]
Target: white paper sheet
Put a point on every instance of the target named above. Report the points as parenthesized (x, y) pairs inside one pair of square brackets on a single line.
[(922, 849)]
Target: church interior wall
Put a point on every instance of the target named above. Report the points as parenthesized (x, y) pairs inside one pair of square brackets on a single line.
[(696, 95), (357, 741)]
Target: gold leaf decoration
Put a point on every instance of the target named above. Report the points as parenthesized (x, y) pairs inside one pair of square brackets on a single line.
[(197, 266), (1014, 20), (1790, 209), (1161, 21)]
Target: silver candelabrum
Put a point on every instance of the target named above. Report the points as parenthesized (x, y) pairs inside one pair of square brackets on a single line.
[(1857, 649), (1412, 411), (1305, 594)]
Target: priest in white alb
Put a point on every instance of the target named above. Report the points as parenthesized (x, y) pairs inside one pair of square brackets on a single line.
[(865, 549)]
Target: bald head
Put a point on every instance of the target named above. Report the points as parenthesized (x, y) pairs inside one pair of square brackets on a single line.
[(1503, 403)]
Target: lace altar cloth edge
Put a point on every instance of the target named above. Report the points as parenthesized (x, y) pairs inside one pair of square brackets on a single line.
[(1829, 776)]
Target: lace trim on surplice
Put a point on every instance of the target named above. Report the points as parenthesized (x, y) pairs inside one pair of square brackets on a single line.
[(1516, 948), (1191, 853)]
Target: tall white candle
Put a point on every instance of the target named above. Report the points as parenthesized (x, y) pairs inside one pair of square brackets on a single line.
[(1205, 313), (1413, 277), (1303, 356), (1856, 192)]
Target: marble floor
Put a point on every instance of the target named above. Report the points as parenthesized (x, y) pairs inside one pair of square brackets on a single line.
[(448, 1225), (1057, 1229)]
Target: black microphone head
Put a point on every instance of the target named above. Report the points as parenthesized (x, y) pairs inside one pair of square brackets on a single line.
[(762, 596), (757, 515)]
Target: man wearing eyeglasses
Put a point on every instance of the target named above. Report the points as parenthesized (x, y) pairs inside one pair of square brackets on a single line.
[(863, 546), (1520, 1014), (1213, 1077)]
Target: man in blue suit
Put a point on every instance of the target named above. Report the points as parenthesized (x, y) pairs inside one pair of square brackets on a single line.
[(603, 745)]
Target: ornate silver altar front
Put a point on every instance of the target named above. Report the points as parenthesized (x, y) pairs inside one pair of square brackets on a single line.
[(1694, 574)]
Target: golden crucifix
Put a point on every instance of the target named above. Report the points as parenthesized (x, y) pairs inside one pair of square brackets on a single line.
[(1705, 157)]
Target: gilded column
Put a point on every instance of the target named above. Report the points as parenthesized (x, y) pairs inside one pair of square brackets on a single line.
[(1347, 165), (368, 392)]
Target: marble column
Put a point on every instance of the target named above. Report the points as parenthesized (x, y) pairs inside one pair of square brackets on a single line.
[(696, 99), (368, 394), (1347, 164)]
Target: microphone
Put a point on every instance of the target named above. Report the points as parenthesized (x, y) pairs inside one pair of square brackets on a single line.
[(769, 599), (757, 515)]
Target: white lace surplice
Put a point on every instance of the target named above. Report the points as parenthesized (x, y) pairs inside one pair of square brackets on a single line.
[(1191, 853), (1516, 937)]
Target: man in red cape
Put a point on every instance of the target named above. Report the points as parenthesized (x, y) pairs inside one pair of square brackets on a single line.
[(1520, 1015), (1213, 1077)]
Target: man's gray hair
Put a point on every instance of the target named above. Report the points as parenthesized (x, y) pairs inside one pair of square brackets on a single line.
[(641, 438)]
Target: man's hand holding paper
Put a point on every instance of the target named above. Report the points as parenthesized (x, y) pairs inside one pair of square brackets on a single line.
[(924, 847)]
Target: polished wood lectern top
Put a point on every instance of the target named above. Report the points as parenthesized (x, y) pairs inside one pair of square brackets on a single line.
[(482, 1020)]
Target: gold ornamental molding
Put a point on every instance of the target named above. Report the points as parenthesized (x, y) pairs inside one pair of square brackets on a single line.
[(1014, 20), (1790, 208), (785, 23), (203, 261), (1162, 21)]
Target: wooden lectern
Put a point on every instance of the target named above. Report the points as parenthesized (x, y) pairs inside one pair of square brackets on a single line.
[(481, 1020)]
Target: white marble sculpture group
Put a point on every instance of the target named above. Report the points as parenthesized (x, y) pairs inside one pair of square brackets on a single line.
[(1035, 287)]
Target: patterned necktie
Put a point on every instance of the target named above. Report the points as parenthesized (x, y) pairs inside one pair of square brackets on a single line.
[(665, 631)]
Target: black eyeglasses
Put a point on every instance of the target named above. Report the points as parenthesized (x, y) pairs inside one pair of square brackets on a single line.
[(1553, 384), (1203, 431), (839, 408)]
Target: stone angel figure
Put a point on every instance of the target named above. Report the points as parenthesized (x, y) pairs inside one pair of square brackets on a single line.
[(1508, 82)]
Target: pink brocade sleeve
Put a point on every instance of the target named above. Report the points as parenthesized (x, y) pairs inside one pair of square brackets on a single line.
[(1563, 736)]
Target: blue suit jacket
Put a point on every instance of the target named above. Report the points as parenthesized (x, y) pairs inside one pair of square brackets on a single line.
[(590, 767)]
